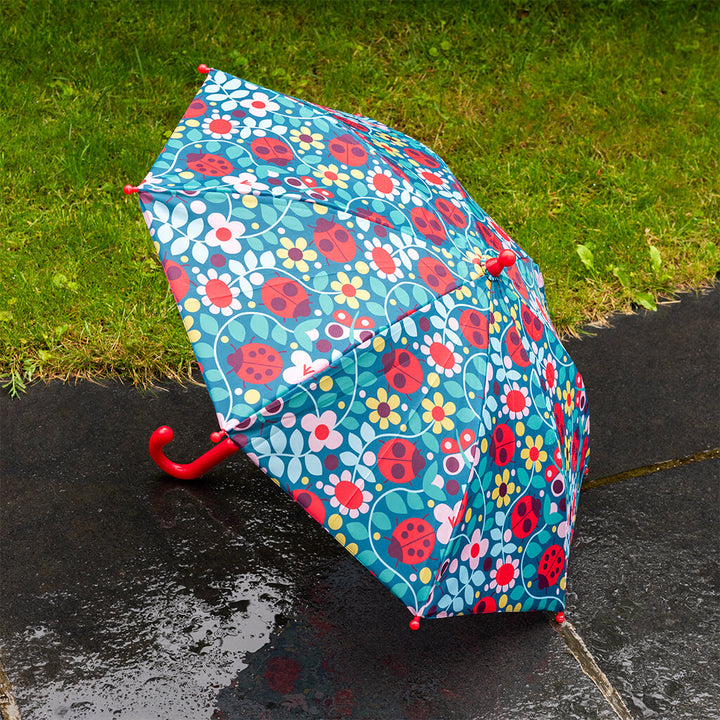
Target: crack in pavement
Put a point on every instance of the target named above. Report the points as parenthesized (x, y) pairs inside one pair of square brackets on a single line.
[(588, 665), (650, 469)]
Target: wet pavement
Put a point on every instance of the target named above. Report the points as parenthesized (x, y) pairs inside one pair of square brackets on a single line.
[(129, 595)]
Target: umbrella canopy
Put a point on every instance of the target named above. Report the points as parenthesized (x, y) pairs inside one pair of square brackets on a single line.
[(376, 344)]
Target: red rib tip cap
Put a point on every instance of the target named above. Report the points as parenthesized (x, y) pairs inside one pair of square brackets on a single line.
[(130, 189), (203, 68)]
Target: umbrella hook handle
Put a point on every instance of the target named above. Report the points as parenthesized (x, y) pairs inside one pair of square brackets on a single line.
[(193, 470)]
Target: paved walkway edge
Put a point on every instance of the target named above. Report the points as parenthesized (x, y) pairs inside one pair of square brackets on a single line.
[(8, 707), (588, 665)]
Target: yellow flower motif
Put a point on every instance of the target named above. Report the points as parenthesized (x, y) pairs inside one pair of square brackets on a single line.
[(383, 409), (494, 321), (437, 412), (462, 292), (330, 174), (503, 489), (477, 261), (349, 290), (389, 149), (533, 454), (306, 139), (296, 254)]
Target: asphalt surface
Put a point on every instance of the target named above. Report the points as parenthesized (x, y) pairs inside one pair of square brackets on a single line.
[(125, 594)]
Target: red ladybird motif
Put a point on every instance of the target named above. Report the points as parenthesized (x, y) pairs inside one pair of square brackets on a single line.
[(210, 165), (373, 217), (436, 275), (178, 279), (485, 605), (403, 371), (517, 281), (429, 225), (532, 323), (256, 363), (516, 349), (552, 564), (400, 461), (310, 502), (272, 150), (285, 298), (502, 445), (474, 327), (412, 541), (196, 109), (347, 150), (334, 241), (451, 213), (525, 516), (422, 158), (489, 236)]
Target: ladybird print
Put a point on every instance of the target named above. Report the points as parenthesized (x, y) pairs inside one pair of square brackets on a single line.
[(331, 275), (334, 241), (428, 225), (208, 164), (399, 461), (285, 298), (348, 151), (552, 565), (403, 371), (256, 363), (412, 541), (272, 150)]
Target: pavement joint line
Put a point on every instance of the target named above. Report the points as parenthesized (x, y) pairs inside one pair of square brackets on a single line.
[(650, 469), (587, 663), (8, 707)]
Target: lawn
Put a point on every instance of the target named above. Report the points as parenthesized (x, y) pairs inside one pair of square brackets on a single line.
[(588, 130)]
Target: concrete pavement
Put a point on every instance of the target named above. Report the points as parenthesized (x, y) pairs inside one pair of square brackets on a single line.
[(127, 594)]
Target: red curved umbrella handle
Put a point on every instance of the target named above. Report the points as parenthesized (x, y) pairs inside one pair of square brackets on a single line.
[(190, 471)]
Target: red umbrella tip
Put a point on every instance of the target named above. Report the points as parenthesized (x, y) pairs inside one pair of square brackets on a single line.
[(415, 623), (203, 68), (130, 189), (560, 618), (505, 259)]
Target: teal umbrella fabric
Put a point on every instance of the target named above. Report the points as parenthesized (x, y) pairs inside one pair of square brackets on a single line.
[(368, 341)]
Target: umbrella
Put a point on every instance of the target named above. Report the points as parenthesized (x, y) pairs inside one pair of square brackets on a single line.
[(376, 343)]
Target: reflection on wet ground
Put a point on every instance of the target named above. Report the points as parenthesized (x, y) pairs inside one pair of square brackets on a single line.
[(128, 595)]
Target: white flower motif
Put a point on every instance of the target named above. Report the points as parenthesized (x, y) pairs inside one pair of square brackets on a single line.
[(515, 400), (381, 258), (220, 127), (382, 183), (259, 104), (224, 233), (440, 353), (347, 495), (245, 183), (216, 294)]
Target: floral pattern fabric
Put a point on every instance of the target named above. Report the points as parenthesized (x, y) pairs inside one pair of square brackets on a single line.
[(330, 273)]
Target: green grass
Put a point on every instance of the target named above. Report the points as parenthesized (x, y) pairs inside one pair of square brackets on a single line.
[(577, 123)]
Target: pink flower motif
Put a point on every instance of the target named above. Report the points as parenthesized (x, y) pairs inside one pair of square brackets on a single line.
[(322, 432), (515, 400), (475, 550), (504, 574)]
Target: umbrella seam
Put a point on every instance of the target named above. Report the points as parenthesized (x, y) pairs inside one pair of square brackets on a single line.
[(332, 366)]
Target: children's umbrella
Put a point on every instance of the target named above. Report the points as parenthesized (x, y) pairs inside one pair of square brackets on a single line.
[(376, 343)]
